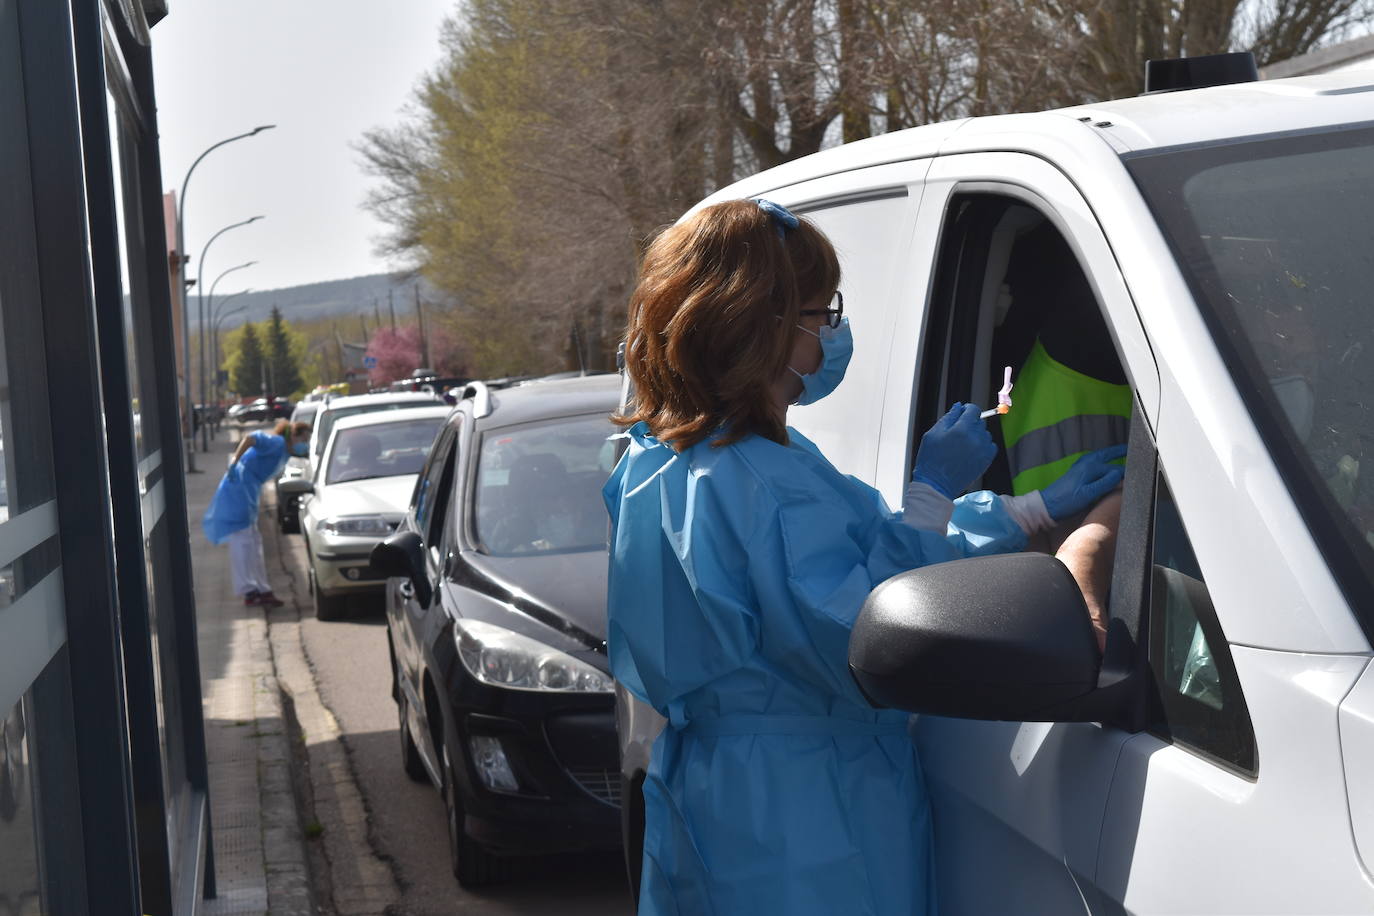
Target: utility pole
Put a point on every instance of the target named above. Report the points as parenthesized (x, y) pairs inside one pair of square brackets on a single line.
[(391, 307), (362, 319), (377, 310), (424, 338)]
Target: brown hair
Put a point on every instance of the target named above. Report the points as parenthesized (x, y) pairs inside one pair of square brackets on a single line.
[(300, 428), (280, 427), (711, 322)]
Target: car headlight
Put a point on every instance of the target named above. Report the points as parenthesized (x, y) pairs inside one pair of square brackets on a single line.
[(503, 658), (355, 526)]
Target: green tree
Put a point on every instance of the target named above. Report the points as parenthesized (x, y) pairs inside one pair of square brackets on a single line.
[(283, 365), (246, 363)]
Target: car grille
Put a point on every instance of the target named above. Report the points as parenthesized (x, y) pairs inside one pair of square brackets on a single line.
[(601, 784)]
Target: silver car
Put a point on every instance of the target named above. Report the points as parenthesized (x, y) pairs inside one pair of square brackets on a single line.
[(361, 487)]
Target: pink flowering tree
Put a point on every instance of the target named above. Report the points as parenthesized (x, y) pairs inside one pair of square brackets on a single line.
[(399, 353)]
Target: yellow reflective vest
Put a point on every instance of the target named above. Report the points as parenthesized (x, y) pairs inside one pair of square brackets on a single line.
[(1057, 415)]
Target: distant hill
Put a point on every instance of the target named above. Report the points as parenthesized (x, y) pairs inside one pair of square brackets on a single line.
[(328, 299)]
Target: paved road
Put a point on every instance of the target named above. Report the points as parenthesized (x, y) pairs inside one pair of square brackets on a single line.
[(406, 819)]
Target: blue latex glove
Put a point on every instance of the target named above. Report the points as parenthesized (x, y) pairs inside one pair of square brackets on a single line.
[(955, 451), (1088, 480)]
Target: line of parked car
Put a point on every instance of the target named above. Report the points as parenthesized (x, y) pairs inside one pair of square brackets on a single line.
[(480, 529)]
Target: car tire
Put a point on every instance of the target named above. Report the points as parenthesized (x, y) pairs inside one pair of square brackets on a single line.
[(288, 520), (632, 828), (472, 865), (410, 754), (327, 607)]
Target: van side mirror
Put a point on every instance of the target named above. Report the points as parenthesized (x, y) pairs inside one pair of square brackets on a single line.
[(1004, 638), (403, 555)]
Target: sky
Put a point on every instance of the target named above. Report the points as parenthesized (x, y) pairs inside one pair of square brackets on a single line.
[(324, 72)]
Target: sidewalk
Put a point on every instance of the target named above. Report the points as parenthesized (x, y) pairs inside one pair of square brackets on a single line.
[(259, 853)]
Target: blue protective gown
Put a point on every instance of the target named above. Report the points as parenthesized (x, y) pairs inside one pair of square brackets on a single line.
[(235, 505), (736, 574)]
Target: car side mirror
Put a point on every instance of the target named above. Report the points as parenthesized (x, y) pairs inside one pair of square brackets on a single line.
[(403, 555), (1004, 638), (296, 486)]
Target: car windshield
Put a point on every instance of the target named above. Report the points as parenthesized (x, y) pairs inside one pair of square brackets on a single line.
[(1274, 236), (329, 417), (538, 487), (381, 450)]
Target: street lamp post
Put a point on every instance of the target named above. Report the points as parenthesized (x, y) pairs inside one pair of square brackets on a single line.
[(185, 311), (203, 332), (215, 320), (200, 295)]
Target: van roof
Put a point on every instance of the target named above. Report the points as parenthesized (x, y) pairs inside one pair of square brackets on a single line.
[(1127, 125)]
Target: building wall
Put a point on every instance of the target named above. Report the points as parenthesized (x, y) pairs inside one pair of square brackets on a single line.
[(103, 804)]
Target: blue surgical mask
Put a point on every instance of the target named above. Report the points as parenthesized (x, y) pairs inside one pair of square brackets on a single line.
[(837, 346), (300, 449)]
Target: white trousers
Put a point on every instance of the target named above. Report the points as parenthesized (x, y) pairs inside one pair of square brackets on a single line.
[(245, 561)]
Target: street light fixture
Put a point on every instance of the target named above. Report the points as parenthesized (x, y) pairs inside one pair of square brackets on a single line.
[(185, 311), (206, 373), (219, 316), (200, 305)]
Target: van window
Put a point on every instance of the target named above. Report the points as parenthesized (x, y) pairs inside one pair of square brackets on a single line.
[(868, 236), (1200, 704), (1273, 236), (1010, 291)]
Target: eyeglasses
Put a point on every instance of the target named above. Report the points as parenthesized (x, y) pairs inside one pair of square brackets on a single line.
[(833, 314)]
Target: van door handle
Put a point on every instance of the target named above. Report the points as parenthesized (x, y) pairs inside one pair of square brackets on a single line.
[(407, 590)]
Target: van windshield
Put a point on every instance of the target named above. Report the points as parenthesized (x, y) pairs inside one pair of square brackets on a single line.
[(1274, 236)]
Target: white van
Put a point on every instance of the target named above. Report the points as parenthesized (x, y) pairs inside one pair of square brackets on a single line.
[(1221, 760)]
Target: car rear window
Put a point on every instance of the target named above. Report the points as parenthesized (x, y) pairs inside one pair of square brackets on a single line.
[(1273, 234), (381, 450), (538, 487)]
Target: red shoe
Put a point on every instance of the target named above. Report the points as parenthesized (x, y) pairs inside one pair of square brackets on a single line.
[(250, 599), (267, 599)]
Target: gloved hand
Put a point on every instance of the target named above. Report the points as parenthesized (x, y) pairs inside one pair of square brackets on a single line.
[(1088, 480), (955, 451)]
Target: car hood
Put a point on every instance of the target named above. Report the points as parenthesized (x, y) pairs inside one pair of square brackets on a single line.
[(379, 496), (566, 591)]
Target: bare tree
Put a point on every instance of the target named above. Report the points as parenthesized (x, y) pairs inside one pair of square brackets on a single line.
[(556, 136)]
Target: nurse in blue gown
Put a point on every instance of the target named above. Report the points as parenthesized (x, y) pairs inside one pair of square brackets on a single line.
[(739, 559)]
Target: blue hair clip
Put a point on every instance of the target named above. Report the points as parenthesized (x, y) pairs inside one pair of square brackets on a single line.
[(782, 217)]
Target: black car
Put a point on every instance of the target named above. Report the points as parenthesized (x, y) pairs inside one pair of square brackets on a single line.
[(496, 624)]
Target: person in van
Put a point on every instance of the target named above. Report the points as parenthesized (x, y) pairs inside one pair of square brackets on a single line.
[(739, 560), (1072, 399)]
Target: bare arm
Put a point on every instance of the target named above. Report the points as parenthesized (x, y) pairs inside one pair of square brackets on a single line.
[(1088, 552), (244, 445)]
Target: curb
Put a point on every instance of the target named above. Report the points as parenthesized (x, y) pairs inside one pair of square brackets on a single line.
[(355, 881)]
